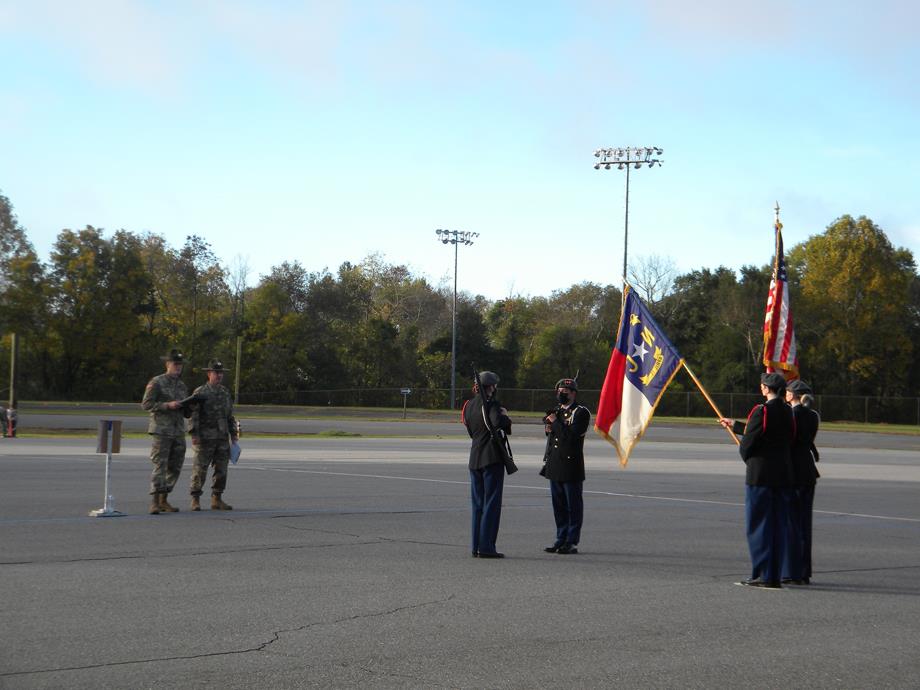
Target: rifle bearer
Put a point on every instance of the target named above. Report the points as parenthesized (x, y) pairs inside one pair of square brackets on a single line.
[(484, 417)]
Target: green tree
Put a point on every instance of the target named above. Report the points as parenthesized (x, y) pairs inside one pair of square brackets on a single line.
[(23, 305), (95, 287), (857, 315), (708, 321)]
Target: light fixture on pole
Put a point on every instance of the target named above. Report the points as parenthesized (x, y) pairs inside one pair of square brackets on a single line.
[(624, 158), (454, 237)]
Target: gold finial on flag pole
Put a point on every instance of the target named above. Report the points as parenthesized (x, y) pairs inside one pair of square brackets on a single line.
[(776, 210)]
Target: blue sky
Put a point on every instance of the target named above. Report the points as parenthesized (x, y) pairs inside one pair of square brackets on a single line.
[(325, 131)]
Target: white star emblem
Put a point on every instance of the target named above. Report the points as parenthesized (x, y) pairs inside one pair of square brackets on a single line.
[(639, 350)]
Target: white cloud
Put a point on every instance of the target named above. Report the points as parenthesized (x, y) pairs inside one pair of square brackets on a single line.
[(127, 44), (305, 41)]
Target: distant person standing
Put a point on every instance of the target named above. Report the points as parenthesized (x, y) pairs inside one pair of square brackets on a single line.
[(765, 449), (213, 428), (163, 400), (805, 474), (486, 465), (564, 465)]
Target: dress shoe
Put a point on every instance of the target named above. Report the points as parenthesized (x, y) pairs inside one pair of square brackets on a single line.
[(757, 582), (552, 549), (567, 549), (475, 554), (494, 554), (792, 581)]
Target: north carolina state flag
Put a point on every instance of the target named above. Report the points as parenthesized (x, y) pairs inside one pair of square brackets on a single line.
[(642, 364)]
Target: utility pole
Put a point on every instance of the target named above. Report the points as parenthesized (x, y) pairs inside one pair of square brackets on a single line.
[(236, 377), (14, 375), (454, 237), (623, 158)]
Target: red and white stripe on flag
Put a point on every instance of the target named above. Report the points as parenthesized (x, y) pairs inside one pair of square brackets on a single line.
[(779, 351)]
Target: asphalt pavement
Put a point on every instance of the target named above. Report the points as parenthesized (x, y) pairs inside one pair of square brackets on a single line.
[(346, 563)]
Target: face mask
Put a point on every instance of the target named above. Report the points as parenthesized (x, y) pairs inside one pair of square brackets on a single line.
[(563, 398)]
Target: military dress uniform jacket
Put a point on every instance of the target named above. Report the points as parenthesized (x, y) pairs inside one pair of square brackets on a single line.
[(484, 451), (565, 455), (766, 443), (161, 390), (212, 417), (804, 471)]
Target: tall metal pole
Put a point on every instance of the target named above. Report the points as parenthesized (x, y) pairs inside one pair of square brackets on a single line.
[(453, 338), (454, 237), (624, 158), (11, 411), (14, 374), (236, 377), (626, 226)]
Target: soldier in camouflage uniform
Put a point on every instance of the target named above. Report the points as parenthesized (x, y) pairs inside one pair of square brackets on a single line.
[(213, 428), (163, 400)]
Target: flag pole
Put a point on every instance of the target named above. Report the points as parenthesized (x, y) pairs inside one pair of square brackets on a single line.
[(710, 401)]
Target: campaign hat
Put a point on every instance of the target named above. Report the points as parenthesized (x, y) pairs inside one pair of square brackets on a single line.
[(174, 355)]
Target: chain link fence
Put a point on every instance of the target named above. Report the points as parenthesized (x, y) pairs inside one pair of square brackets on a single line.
[(674, 403)]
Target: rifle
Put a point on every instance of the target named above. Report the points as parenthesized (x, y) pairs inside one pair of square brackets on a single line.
[(499, 437)]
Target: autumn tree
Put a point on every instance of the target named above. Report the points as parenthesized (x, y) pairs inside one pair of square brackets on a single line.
[(857, 314)]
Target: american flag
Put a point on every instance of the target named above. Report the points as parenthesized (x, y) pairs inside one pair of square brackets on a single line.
[(779, 351)]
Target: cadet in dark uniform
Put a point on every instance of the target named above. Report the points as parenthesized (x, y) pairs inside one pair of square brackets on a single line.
[(805, 475), (162, 399), (765, 448), (213, 428), (564, 465), (487, 467)]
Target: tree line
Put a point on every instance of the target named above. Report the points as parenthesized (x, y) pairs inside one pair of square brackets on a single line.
[(95, 317)]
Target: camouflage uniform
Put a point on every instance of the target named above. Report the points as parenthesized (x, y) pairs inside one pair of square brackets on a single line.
[(168, 430), (213, 428)]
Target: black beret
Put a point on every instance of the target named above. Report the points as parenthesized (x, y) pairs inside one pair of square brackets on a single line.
[(773, 381), (571, 384), (488, 378), (799, 387)]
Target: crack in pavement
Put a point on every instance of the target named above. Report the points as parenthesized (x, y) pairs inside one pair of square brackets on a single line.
[(215, 552), (275, 636), (252, 549)]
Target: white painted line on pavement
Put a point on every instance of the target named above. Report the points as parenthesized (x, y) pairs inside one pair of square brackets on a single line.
[(545, 489)]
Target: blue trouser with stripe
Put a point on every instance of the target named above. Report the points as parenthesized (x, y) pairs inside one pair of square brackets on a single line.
[(765, 509), (568, 511), (486, 487)]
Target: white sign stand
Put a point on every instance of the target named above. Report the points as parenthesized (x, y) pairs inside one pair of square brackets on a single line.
[(109, 436)]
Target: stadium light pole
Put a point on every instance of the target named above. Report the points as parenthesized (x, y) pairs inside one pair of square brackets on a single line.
[(624, 158), (456, 238)]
